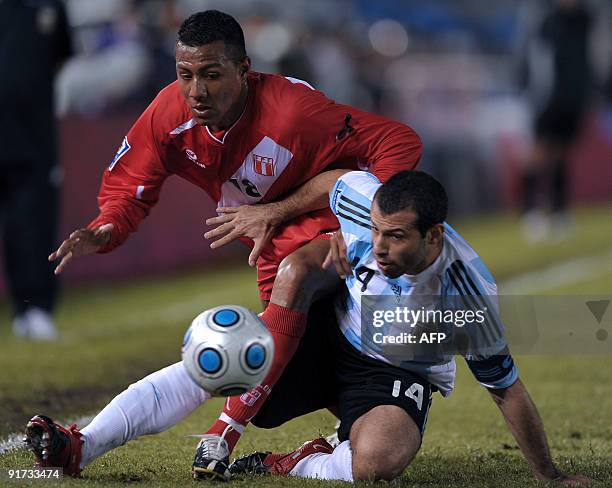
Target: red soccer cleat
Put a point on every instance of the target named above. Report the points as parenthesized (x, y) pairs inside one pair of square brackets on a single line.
[(266, 462), (54, 446)]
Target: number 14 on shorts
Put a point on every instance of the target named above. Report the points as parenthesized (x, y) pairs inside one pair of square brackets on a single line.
[(414, 391)]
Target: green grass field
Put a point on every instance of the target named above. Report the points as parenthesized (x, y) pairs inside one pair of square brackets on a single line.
[(113, 335)]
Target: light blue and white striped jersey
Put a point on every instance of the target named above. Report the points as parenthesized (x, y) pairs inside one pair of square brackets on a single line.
[(457, 272)]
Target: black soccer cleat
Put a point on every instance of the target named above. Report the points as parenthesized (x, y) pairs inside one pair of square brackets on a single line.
[(251, 464), (279, 463), (211, 460)]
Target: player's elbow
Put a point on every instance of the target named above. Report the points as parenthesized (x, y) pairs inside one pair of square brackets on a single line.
[(412, 146)]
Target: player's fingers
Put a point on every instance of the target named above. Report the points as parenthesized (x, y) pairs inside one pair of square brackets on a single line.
[(339, 254), (254, 255), (225, 240), (55, 254), (80, 233), (342, 256), (217, 231), (258, 247), (221, 219), (328, 260), (63, 263), (227, 209), (64, 248), (346, 267), (333, 249), (339, 267)]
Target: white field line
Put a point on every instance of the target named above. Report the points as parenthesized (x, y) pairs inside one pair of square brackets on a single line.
[(561, 274), (564, 273)]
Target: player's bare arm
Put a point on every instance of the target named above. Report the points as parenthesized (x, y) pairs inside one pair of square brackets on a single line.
[(258, 222), (526, 426), (81, 243)]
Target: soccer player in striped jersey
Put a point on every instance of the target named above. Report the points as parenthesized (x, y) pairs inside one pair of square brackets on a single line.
[(394, 241)]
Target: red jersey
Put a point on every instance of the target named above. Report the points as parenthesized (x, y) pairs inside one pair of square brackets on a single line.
[(287, 134)]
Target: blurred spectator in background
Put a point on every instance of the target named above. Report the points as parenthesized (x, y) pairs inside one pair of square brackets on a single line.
[(559, 80), (34, 41), (113, 63)]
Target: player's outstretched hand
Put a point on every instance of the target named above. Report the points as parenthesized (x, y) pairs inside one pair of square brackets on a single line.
[(80, 243), (337, 255), (257, 222)]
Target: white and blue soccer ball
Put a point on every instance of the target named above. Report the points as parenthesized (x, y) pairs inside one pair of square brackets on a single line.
[(227, 350)]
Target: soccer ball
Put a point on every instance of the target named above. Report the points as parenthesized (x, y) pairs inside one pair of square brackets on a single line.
[(227, 350)]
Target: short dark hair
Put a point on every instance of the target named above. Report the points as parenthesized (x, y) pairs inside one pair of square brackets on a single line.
[(416, 191), (211, 26)]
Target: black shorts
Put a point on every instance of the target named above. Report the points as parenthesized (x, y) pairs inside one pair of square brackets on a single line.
[(328, 371)]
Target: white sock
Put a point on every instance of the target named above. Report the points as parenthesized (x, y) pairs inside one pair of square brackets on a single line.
[(149, 406), (335, 466)]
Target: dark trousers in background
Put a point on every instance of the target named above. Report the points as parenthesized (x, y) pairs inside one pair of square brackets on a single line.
[(557, 127), (29, 199), (550, 181)]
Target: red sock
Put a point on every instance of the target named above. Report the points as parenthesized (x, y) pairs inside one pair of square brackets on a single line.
[(287, 327)]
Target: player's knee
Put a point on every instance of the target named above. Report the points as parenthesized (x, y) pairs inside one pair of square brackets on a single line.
[(371, 463), (295, 270)]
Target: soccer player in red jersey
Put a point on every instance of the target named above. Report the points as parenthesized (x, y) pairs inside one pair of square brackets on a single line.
[(245, 138)]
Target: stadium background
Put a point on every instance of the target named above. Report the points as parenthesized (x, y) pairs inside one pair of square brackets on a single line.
[(447, 68)]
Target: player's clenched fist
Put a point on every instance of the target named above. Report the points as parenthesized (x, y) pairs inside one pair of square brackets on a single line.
[(337, 255), (80, 243)]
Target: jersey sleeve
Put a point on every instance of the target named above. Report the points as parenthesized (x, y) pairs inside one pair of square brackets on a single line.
[(330, 132), (351, 200), (132, 183), (494, 372), (470, 287)]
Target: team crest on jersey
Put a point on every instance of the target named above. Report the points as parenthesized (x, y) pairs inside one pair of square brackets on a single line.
[(263, 165), (125, 147)]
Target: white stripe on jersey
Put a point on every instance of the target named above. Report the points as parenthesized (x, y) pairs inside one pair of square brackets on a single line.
[(183, 127), (298, 81)]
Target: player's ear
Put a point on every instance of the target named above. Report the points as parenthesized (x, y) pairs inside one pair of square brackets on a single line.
[(244, 66), (435, 234)]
